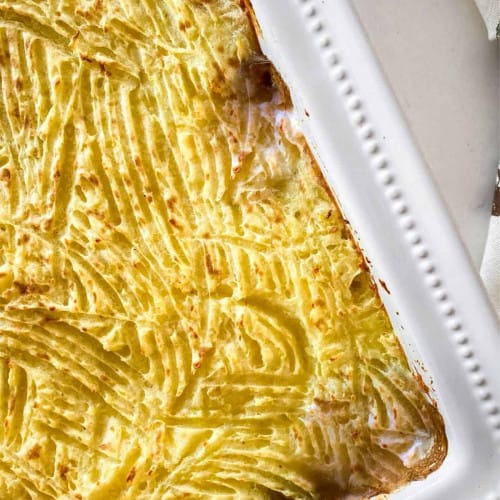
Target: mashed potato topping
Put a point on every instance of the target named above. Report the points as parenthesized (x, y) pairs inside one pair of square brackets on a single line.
[(183, 312)]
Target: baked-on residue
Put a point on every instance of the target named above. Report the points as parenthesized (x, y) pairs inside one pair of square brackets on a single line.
[(183, 312)]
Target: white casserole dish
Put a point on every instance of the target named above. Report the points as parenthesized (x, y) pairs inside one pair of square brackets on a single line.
[(436, 301)]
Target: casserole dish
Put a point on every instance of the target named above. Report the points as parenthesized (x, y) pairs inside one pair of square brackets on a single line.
[(427, 282), (184, 312)]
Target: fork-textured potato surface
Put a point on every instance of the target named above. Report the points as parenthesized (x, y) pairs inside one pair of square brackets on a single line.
[(183, 312)]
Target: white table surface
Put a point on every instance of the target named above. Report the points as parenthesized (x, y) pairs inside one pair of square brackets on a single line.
[(444, 72)]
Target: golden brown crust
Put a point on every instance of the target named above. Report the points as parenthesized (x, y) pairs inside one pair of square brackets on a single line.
[(247, 6), (183, 310)]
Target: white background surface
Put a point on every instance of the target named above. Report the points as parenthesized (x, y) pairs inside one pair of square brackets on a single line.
[(444, 72)]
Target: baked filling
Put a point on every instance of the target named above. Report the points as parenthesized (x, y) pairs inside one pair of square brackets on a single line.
[(183, 311)]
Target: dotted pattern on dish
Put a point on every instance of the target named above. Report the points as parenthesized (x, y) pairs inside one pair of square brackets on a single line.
[(386, 177)]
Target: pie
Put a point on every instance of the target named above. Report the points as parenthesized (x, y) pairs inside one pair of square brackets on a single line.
[(183, 310)]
